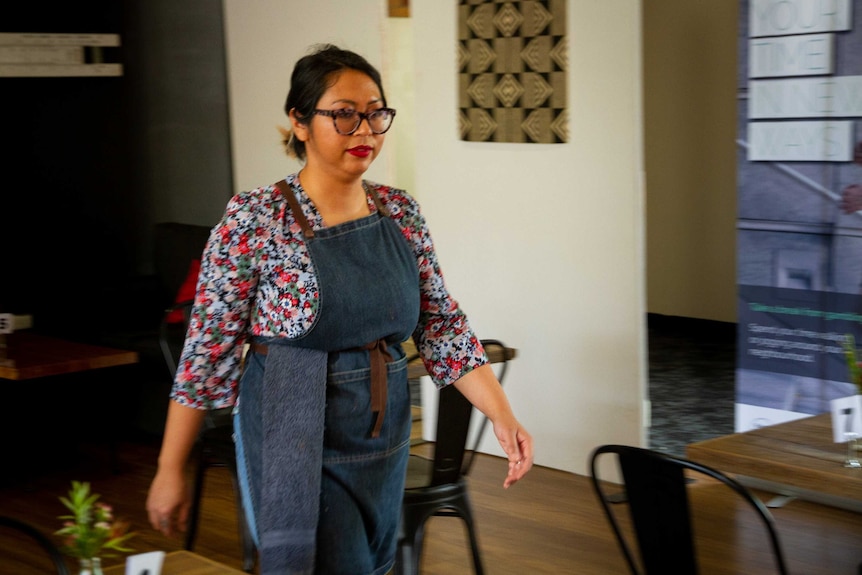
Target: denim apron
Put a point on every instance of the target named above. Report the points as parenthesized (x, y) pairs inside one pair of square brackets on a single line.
[(369, 303)]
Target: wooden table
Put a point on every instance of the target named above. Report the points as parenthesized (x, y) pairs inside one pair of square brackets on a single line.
[(184, 563), (797, 458), (30, 355)]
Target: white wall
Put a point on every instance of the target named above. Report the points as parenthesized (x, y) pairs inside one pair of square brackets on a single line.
[(264, 39), (541, 244), (690, 92)]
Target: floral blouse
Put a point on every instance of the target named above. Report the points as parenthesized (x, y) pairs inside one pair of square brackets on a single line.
[(257, 279)]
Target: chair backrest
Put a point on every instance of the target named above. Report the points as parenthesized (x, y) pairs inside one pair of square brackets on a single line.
[(656, 491), (453, 456), (50, 550), (175, 246), (453, 425), (501, 368), (172, 334)]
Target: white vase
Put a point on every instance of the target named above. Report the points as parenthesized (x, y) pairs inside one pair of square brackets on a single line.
[(92, 566)]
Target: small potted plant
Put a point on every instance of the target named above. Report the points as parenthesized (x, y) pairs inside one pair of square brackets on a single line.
[(854, 366), (91, 532), (847, 411)]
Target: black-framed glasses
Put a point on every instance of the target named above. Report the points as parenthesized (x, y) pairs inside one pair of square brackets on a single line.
[(347, 120)]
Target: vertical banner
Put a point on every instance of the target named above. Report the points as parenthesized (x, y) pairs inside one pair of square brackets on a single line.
[(799, 231)]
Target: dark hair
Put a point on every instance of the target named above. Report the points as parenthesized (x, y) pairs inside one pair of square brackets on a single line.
[(312, 76)]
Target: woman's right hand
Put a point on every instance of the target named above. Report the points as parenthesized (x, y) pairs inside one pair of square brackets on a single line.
[(168, 502), (851, 199), (169, 498)]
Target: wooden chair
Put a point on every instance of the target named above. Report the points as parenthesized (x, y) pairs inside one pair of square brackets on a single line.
[(49, 549), (438, 486), (215, 445), (656, 491)]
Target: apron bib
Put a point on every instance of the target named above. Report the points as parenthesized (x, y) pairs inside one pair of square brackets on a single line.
[(369, 303)]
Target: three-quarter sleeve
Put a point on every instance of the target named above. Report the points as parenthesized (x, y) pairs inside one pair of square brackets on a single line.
[(209, 368), (444, 339)]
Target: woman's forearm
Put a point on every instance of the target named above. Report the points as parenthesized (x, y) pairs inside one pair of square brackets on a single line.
[(484, 391), (481, 388), (181, 430)]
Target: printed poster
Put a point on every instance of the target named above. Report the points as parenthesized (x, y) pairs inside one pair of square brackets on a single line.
[(799, 226)]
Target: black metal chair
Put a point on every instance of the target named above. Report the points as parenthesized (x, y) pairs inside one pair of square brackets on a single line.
[(439, 486), (215, 444), (655, 488), (51, 551)]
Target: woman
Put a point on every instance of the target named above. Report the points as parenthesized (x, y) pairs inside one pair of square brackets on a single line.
[(323, 274), (851, 196)]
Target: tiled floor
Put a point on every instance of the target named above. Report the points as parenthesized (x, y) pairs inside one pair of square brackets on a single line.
[(691, 381)]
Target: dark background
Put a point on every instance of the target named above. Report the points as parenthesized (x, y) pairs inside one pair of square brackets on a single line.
[(93, 164), (108, 184)]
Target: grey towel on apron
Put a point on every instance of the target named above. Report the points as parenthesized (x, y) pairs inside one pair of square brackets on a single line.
[(294, 400)]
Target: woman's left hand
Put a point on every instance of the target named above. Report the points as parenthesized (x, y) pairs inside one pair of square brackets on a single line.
[(483, 390), (518, 445)]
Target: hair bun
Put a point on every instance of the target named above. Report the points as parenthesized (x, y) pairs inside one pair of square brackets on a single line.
[(287, 140)]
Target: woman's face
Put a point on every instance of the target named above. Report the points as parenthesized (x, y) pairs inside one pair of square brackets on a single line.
[(343, 156)]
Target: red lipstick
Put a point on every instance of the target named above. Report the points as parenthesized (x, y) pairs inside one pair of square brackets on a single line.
[(360, 151)]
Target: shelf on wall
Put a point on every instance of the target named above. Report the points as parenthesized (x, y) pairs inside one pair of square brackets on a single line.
[(28, 55), (59, 70)]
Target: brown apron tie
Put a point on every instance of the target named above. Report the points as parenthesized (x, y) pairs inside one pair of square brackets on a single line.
[(378, 355), (259, 348)]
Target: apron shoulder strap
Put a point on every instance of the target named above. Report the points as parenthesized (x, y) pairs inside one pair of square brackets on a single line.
[(373, 193), (294, 207)]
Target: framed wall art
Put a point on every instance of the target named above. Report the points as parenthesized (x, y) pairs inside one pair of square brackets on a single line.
[(512, 71)]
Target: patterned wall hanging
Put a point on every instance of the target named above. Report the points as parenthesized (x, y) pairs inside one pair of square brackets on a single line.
[(512, 67)]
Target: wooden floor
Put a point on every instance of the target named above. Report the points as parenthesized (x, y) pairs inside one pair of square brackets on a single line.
[(548, 524)]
